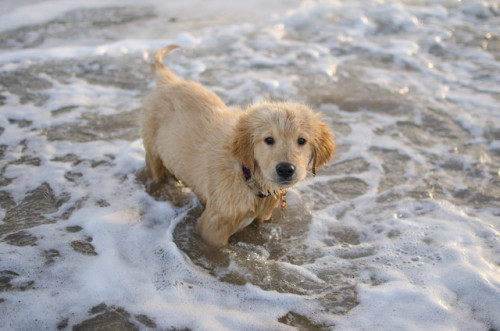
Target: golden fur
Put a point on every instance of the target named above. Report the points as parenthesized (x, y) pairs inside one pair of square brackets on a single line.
[(190, 133)]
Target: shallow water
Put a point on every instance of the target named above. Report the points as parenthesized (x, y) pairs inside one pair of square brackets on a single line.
[(404, 223)]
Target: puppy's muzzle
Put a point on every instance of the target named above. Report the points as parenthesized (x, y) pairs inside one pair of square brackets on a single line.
[(285, 171)]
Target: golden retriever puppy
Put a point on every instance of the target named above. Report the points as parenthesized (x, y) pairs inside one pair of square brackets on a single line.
[(238, 163)]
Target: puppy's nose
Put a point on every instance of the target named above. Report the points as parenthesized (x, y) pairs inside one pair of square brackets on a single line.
[(285, 170)]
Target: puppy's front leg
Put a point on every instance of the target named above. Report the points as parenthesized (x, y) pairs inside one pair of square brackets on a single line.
[(263, 219), (214, 228), (267, 211)]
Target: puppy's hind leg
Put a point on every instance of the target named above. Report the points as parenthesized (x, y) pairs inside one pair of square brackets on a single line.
[(155, 168)]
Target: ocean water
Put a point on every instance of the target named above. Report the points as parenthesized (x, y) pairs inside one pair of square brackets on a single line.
[(401, 231)]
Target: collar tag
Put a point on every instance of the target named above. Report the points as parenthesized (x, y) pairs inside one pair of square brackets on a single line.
[(283, 200)]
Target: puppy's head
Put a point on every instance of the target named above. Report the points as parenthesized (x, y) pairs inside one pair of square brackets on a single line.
[(282, 140)]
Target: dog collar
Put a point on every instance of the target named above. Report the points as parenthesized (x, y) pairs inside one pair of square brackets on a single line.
[(252, 183)]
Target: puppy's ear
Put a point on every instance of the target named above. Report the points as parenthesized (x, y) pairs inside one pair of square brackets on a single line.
[(242, 142), (323, 146)]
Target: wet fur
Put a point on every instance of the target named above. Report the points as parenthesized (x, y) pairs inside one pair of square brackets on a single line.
[(188, 132)]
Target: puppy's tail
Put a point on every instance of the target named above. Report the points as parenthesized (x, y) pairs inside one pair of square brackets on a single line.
[(162, 74)]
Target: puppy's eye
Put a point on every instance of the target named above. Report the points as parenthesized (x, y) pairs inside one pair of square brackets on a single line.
[(301, 141), (269, 140)]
